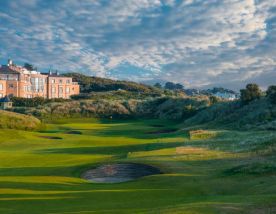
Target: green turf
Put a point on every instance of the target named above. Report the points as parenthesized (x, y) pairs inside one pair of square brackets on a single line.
[(229, 172)]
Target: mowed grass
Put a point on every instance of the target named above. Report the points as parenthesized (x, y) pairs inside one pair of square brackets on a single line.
[(229, 172)]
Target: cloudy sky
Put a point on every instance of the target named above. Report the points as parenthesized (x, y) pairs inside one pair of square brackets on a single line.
[(199, 43)]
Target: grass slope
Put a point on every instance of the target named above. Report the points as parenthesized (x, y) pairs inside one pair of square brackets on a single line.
[(258, 114), (11, 120), (210, 174), (94, 84), (173, 108)]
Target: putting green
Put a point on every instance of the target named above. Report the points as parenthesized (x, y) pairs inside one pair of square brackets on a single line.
[(226, 172)]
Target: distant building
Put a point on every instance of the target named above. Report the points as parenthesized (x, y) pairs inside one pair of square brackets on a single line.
[(223, 93), (19, 82), (226, 95), (5, 103), (192, 92)]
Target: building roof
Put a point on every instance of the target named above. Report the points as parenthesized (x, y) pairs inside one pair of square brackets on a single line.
[(15, 69), (5, 99), (54, 74), (10, 69)]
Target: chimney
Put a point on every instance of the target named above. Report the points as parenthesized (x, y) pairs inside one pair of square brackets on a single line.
[(9, 62)]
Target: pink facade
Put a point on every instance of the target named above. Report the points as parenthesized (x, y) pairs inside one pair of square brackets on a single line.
[(20, 82)]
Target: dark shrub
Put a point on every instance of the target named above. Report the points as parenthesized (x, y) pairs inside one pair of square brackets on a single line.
[(250, 93), (271, 93), (96, 84), (214, 100), (33, 102)]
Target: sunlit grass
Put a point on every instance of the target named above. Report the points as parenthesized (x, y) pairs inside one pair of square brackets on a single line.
[(42, 179), (185, 153), (39, 175), (50, 160)]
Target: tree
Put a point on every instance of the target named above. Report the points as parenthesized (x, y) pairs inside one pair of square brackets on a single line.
[(188, 111), (179, 86), (158, 85), (173, 86), (169, 85), (29, 67), (271, 93), (214, 100), (250, 93)]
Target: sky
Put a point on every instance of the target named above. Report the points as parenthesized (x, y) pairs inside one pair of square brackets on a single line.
[(198, 43)]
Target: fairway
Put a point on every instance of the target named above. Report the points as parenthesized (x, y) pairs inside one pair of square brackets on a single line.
[(218, 172)]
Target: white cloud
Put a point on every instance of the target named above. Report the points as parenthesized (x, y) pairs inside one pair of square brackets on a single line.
[(196, 42)]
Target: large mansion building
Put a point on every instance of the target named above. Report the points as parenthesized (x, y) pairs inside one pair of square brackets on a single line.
[(20, 82)]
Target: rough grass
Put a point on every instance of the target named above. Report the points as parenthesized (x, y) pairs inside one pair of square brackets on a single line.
[(201, 134), (255, 168), (11, 120), (40, 175), (167, 107), (259, 114)]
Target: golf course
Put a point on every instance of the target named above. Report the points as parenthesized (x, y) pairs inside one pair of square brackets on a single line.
[(200, 171), (137, 106)]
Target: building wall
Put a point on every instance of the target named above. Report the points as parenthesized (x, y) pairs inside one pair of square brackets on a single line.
[(33, 85), (61, 87), (9, 85), (29, 85), (3, 88), (12, 88), (6, 105), (75, 88)]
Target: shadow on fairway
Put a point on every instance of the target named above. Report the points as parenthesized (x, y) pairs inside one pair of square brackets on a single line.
[(113, 150), (140, 129), (140, 133)]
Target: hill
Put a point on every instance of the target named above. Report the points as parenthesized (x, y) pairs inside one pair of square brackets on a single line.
[(258, 114), (173, 108), (106, 98), (96, 84), (11, 120)]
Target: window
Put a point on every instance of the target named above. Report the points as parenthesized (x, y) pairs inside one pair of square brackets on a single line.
[(1, 95), (60, 92), (1, 87), (60, 81), (10, 85), (53, 90), (41, 84), (13, 77), (68, 81), (3, 76), (67, 90), (53, 81), (37, 84)]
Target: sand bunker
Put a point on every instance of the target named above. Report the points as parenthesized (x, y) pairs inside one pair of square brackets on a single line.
[(72, 132), (51, 138), (121, 172), (157, 125), (164, 131)]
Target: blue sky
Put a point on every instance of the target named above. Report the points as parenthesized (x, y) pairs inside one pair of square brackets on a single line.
[(197, 43)]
